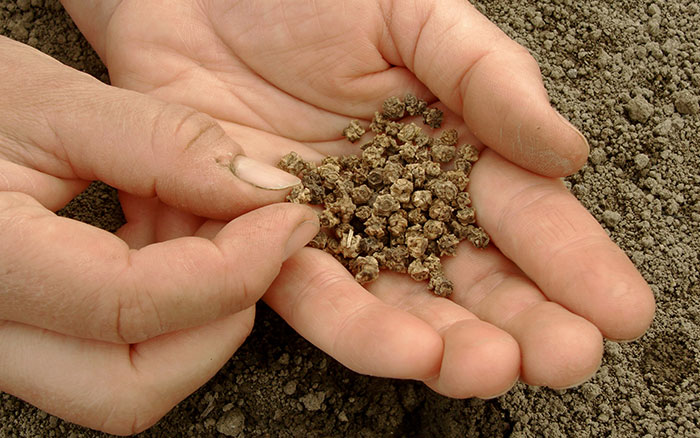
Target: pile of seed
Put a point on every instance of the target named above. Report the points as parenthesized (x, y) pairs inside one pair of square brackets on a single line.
[(393, 207)]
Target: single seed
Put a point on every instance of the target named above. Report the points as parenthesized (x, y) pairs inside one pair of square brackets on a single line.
[(354, 131), (432, 117), (417, 271), (393, 108)]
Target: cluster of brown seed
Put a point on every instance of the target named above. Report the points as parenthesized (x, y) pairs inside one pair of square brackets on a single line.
[(393, 207)]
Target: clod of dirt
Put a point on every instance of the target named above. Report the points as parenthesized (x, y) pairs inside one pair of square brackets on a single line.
[(686, 102), (231, 424), (639, 109)]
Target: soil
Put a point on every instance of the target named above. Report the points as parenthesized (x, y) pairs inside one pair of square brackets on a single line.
[(628, 73)]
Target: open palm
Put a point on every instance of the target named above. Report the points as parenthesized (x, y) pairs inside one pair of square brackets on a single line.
[(289, 75)]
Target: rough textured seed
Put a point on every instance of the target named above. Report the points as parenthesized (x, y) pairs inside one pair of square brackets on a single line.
[(463, 165), (447, 243), (393, 108), (401, 190), (375, 178), (375, 226), (369, 245), (440, 285), (392, 172), (363, 212), (432, 262), (417, 271), (458, 178), (330, 174), (414, 105), (466, 216), (299, 195), (433, 229), (442, 153), (459, 230), (416, 216), (432, 169), (422, 199), (314, 183), (417, 244), (408, 132), (361, 194), (384, 205), (468, 152), (365, 269), (327, 219), (398, 223), (477, 236), (463, 200), (392, 128), (440, 211), (354, 131), (378, 124), (343, 208), (373, 156), (397, 258), (444, 190), (417, 172), (332, 245), (432, 117), (421, 140), (449, 137), (319, 241), (385, 142)]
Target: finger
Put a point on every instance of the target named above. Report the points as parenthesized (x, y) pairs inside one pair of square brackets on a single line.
[(150, 221), (92, 18), (536, 223), (53, 193), (141, 216), (480, 73), (324, 303), (119, 389), (92, 285), (558, 349), (479, 360), (87, 130)]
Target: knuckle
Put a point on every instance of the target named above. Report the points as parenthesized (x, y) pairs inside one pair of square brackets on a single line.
[(137, 317), (177, 128)]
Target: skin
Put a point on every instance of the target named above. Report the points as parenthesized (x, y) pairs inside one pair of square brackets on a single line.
[(534, 305)]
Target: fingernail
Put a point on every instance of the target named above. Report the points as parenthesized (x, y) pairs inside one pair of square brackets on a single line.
[(491, 397), (262, 175), (573, 128), (303, 233), (574, 385), (626, 341)]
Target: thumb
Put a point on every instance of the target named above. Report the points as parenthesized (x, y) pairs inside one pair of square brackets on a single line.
[(489, 79), (69, 125), (91, 285)]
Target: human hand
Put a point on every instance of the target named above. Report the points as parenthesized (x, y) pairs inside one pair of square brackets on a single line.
[(290, 75), (91, 329)]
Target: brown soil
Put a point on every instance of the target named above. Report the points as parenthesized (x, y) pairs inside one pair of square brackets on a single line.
[(628, 73)]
